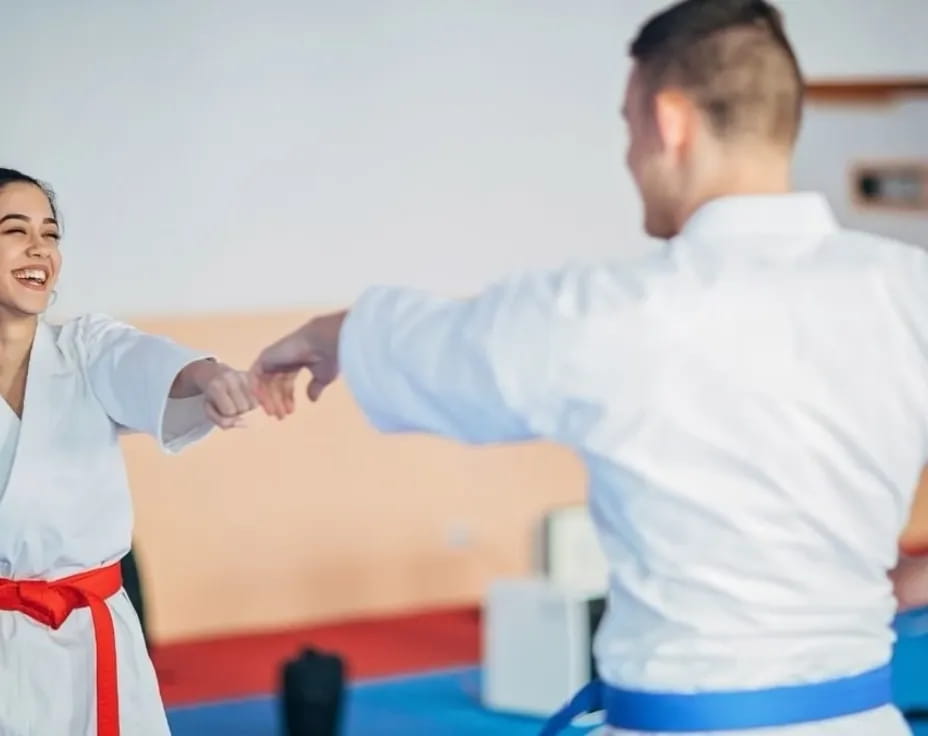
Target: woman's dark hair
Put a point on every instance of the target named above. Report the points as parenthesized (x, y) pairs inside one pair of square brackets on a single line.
[(12, 176)]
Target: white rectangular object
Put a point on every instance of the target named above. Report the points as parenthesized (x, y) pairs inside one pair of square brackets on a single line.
[(537, 645), (571, 554)]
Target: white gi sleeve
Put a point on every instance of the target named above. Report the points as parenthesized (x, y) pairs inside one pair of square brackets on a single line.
[(131, 373), (482, 370)]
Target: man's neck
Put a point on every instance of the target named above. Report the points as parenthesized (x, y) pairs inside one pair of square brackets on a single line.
[(739, 173)]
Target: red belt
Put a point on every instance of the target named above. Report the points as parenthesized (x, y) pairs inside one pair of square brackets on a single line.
[(51, 603)]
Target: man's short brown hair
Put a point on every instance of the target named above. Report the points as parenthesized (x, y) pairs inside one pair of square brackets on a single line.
[(733, 59)]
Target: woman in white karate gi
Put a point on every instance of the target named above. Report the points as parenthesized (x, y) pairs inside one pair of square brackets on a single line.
[(73, 660)]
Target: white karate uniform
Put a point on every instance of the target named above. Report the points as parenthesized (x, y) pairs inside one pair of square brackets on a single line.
[(751, 403), (65, 508)]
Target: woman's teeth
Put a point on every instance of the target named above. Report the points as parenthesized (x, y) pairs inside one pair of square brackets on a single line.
[(32, 275)]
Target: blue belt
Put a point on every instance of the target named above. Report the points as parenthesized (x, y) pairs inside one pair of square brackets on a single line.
[(728, 711)]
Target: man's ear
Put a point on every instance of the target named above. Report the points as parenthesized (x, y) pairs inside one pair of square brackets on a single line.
[(677, 118)]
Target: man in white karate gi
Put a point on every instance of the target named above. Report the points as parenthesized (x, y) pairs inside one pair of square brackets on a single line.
[(751, 400)]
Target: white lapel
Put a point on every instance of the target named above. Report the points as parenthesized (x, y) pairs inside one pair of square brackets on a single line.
[(45, 365)]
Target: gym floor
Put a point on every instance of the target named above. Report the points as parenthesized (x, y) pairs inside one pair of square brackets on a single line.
[(410, 674)]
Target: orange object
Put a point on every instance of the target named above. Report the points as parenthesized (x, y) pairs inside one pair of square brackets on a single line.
[(51, 603)]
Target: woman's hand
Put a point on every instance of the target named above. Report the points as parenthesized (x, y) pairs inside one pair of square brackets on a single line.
[(226, 390)]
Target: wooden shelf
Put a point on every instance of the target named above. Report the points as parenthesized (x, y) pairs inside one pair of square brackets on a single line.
[(866, 91)]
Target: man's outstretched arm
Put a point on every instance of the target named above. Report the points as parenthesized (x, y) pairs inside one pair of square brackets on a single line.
[(479, 370)]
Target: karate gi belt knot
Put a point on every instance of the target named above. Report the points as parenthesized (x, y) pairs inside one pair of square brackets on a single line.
[(51, 602)]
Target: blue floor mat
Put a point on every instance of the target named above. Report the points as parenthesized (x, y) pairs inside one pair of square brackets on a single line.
[(447, 703), (910, 666), (442, 703), (910, 661)]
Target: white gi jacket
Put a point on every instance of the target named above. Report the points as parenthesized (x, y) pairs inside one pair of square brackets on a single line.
[(751, 403), (65, 508)]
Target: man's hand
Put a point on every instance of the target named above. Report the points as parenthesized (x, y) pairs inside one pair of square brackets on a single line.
[(910, 582), (226, 390), (313, 346)]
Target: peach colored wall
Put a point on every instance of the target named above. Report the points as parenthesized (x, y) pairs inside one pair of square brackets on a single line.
[(319, 516)]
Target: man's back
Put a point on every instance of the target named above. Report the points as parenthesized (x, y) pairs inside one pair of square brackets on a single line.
[(754, 424), (751, 406)]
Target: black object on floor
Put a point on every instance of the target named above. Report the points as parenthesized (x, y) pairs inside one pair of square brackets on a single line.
[(132, 582), (312, 693)]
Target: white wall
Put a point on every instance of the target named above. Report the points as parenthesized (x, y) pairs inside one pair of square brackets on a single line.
[(833, 138), (233, 155), (213, 155), (859, 38)]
